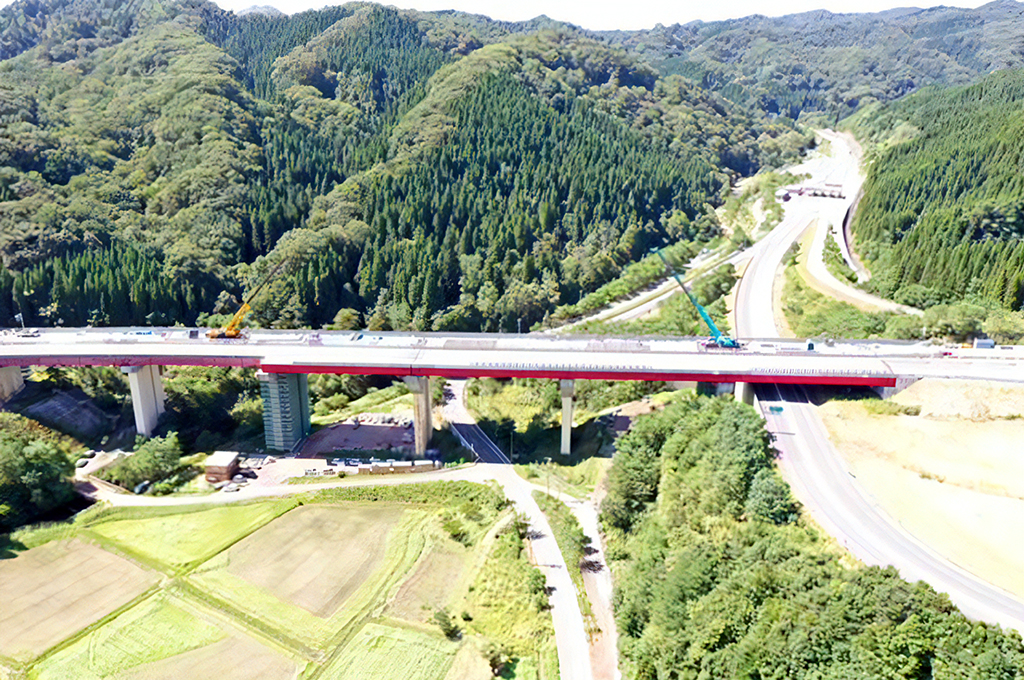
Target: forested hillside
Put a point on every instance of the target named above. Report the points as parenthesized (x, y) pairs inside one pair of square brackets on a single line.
[(942, 218), (819, 62), (416, 170), (718, 576)]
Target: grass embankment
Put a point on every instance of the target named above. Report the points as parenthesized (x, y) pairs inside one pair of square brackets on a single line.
[(579, 481), (633, 278), (754, 206), (573, 543), (395, 398), (305, 583), (508, 606), (811, 314)]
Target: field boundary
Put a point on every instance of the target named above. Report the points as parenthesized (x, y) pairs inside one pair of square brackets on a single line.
[(249, 622), (150, 592), (284, 506)]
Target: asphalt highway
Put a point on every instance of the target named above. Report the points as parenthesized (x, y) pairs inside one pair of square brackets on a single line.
[(816, 471)]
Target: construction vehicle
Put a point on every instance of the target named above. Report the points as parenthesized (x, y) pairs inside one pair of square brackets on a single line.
[(717, 339), (233, 328)]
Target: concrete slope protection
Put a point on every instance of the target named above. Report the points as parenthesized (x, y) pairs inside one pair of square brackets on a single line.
[(817, 474)]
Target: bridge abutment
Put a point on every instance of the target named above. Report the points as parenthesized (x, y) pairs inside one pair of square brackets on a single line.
[(285, 408), (11, 382), (902, 383), (568, 390), (423, 428), (147, 396)]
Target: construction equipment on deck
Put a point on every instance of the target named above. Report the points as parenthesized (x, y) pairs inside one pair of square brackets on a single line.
[(718, 339), (233, 327)]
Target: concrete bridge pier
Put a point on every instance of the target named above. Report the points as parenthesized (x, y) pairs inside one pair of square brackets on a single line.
[(11, 382), (147, 396), (568, 390), (422, 426), (285, 408), (744, 392)]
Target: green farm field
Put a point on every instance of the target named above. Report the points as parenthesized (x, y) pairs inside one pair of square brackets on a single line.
[(379, 651), (322, 587), (176, 541)]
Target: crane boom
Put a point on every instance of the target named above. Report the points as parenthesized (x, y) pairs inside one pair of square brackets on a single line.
[(717, 336), (233, 327)]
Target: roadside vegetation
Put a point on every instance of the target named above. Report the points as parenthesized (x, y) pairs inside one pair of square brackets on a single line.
[(35, 464), (835, 263), (811, 314), (717, 574), (313, 583), (579, 480), (523, 415), (633, 278), (573, 544), (677, 315), (757, 193)]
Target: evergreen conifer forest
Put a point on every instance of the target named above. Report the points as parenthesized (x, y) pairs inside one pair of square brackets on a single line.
[(445, 171)]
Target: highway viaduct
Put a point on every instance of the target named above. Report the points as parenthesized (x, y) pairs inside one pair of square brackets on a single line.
[(284, 359)]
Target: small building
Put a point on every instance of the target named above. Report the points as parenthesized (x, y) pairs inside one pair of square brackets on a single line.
[(221, 466)]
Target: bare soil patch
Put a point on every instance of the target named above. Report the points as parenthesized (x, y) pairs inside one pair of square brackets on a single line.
[(234, 658), (50, 592), (964, 399), (316, 556), (375, 434)]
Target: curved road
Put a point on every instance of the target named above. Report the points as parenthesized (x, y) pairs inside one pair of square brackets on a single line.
[(816, 471)]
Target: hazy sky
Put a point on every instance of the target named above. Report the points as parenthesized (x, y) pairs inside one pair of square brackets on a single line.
[(608, 14)]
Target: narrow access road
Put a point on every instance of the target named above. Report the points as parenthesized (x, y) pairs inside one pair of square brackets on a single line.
[(464, 424), (604, 651), (570, 631)]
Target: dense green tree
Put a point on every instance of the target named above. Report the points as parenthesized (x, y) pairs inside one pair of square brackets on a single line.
[(152, 461), (33, 479), (717, 578), (465, 174)]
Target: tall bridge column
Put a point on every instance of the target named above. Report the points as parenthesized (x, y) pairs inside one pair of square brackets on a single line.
[(11, 382), (147, 396), (285, 408), (744, 392), (568, 390), (423, 428)]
